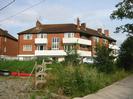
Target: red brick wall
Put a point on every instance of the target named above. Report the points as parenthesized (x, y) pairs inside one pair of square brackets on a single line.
[(32, 42), (77, 35), (11, 46), (50, 36), (1, 47), (22, 42)]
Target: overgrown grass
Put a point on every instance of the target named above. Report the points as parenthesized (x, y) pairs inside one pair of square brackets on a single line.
[(17, 66), (80, 80), (71, 81)]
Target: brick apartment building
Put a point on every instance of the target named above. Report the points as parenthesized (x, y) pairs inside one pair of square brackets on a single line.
[(54, 40), (8, 45)]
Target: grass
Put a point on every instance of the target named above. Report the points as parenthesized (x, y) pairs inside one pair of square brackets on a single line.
[(71, 81), (80, 80), (17, 66)]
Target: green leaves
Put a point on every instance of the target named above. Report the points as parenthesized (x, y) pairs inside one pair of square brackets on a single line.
[(126, 54), (104, 59), (124, 11)]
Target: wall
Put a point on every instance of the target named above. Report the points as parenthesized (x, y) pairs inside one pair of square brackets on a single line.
[(22, 42), (10, 45)]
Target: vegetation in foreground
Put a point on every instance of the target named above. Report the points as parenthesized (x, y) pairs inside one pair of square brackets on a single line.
[(71, 81)]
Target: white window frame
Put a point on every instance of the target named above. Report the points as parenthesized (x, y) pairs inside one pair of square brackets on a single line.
[(68, 47), (42, 35), (5, 49), (68, 35), (5, 39), (38, 47), (55, 43), (104, 41), (27, 47), (97, 39), (27, 36)]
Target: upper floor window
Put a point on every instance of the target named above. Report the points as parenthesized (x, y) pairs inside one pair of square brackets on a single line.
[(5, 39), (96, 39), (27, 47), (27, 36), (68, 35), (104, 41), (41, 35), (55, 43), (4, 49)]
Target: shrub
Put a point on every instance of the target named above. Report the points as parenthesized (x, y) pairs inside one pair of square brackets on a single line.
[(72, 58), (104, 59), (79, 80)]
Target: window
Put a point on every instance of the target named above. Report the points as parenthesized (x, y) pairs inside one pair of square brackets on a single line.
[(68, 47), (5, 39), (68, 35), (104, 41), (41, 35), (27, 47), (40, 47), (96, 39), (27, 36), (55, 43), (4, 49)]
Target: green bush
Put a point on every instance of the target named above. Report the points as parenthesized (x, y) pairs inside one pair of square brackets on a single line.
[(72, 81), (125, 58), (104, 60), (79, 80)]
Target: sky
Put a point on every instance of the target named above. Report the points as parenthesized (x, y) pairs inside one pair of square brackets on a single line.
[(22, 14)]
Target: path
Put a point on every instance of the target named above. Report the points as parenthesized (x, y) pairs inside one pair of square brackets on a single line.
[(119, 90), (11, 88)]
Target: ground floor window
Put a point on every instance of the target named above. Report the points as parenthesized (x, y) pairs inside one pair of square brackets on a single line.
[(27, 47), (68, 47), (41, 47)]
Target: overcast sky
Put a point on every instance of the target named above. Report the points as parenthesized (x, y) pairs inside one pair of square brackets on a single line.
[(95, 13)]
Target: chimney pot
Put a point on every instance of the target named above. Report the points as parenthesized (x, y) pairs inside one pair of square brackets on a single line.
[(106, 32), (38, 24), (78, 23), (99, 30), (83, 26)]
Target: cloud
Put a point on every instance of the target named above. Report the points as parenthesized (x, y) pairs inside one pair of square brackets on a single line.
[(60, 11)]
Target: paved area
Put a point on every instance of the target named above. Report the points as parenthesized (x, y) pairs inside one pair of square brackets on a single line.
[(12, 88), (119, 90)]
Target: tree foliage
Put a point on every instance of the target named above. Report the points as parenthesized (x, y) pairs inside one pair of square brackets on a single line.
[(104, 59), (124, 11), (72, 58), (126, 54)]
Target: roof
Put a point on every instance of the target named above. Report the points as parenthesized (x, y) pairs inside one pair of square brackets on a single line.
[(62, 28), (52, 28), (6, 34)]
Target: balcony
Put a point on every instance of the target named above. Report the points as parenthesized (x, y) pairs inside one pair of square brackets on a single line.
[(50, 53), (41, 41), (76, 40), (84, 53)]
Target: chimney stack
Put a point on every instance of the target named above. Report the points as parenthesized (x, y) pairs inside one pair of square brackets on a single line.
[(99, 30), (106, 32), (78, 23), (38, 24), (83, 26)]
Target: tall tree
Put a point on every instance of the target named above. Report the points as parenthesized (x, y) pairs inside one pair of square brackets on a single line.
[(124, 11), (125, 59), (104, 59)]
